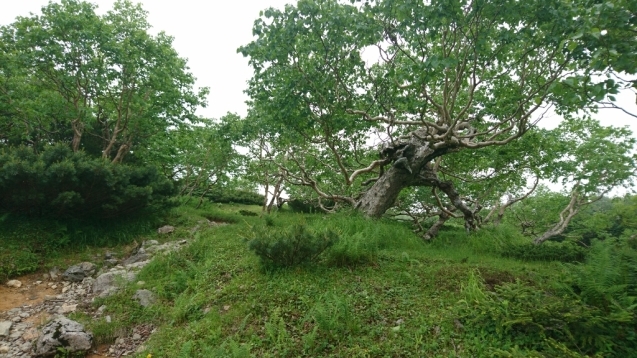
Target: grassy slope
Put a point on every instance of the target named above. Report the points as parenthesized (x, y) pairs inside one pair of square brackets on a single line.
[(400, 300)]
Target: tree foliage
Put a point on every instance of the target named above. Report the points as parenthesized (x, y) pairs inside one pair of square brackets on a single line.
[(441, 102), (99, 82)]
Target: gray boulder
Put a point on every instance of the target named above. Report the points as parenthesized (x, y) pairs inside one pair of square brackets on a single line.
[(144, 297), (107, 283), (140, 256), (166, 229), (5, 327), (62, 332), (77, 273)]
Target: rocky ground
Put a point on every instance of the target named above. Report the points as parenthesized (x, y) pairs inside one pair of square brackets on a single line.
[(33, 309)]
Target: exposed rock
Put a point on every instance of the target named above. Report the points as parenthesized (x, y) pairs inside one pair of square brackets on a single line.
[(106, 284), (166, 229), (4, 349), (77, 273), (5, 327), (145, 297), (54, 273), (140, 256), (149, 243), (65, 333), (14, 283), (30, 334), (67, 308)]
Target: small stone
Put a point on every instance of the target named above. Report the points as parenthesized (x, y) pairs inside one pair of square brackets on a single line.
[(15, 335), (148, 243), (14, 284), (166, 229), (38, 282), (67, 308), (4, 349), (109, 255), (101, 309), (45, 276), (30, 334), (77, 273), (65, 289), (141, 283), (16, 319), (54, 287), (107, 319), (25, 315), (140, 349), (5, 327), (137, 337), (144, 297), (54, 273), (226, 307)]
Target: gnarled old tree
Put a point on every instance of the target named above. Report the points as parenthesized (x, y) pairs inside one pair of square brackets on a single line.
[(372, 98)]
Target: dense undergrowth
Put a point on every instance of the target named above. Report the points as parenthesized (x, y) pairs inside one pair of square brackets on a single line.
[(291, 285), (376, 290)]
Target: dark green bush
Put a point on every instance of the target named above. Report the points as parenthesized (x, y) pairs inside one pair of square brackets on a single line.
[(223, 195), (290, 247), (307, 206), (548, 251), (58, 183), (247, 213)]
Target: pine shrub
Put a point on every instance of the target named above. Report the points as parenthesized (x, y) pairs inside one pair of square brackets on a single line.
[(58, 183), (290, 247)]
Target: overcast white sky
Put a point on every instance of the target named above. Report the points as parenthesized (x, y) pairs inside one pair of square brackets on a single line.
[(208, 34)]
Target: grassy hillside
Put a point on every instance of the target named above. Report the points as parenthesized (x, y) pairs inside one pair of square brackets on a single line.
[(378, 292)]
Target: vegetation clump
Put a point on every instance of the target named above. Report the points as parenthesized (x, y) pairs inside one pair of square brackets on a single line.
[(292, 246)]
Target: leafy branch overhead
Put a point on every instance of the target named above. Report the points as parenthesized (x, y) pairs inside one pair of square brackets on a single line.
[(373, 99)]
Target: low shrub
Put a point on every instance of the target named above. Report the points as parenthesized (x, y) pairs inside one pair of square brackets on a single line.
[(58, 183), (224, 195), (353, 250), (16, 261), (548, 251), (290, 247), (307, 206), (518, 315), (608, 278), (247, 213)]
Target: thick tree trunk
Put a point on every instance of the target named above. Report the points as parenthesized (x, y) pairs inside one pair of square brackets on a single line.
[(411, 166), (383, 194)]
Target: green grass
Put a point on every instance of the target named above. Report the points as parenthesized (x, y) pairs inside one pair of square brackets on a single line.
[(392, 295), (380, 291)]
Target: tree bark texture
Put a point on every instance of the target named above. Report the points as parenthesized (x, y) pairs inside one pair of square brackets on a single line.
[(411, 166)]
